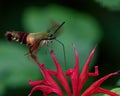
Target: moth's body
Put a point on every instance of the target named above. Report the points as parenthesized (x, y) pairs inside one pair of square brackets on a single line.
[(33, 37), (34, 40)]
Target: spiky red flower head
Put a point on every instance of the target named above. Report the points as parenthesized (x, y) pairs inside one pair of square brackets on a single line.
[(78, 80)]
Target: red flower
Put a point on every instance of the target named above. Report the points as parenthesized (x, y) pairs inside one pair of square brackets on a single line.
[(50, 86)]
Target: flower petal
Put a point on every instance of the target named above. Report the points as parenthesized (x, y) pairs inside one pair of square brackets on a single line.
[(34, 83), (95, 87), (46, 90), (84, 74), (60, 75), (74, 74), (48, 80)]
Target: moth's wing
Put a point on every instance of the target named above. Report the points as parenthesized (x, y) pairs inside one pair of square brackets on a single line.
[(54, 26)]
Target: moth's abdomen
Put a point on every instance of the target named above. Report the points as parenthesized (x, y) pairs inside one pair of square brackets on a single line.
[(17, 36), (22, 37)]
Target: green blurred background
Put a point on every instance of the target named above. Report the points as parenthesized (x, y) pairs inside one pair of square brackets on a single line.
[(88, 23)]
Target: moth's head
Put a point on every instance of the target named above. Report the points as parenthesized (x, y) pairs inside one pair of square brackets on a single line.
[(9, 36)]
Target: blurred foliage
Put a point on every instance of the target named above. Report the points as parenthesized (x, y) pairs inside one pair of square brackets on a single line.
[(81, 29), (110, 4), (15, 68), (87, 24)]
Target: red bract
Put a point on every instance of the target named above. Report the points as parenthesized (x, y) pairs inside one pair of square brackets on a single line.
[(78, 80)]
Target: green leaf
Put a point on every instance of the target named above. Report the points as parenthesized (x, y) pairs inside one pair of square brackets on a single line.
[(98, 94)]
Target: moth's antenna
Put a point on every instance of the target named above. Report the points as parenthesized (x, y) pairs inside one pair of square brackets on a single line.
[(63, 52), (58, 28)]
